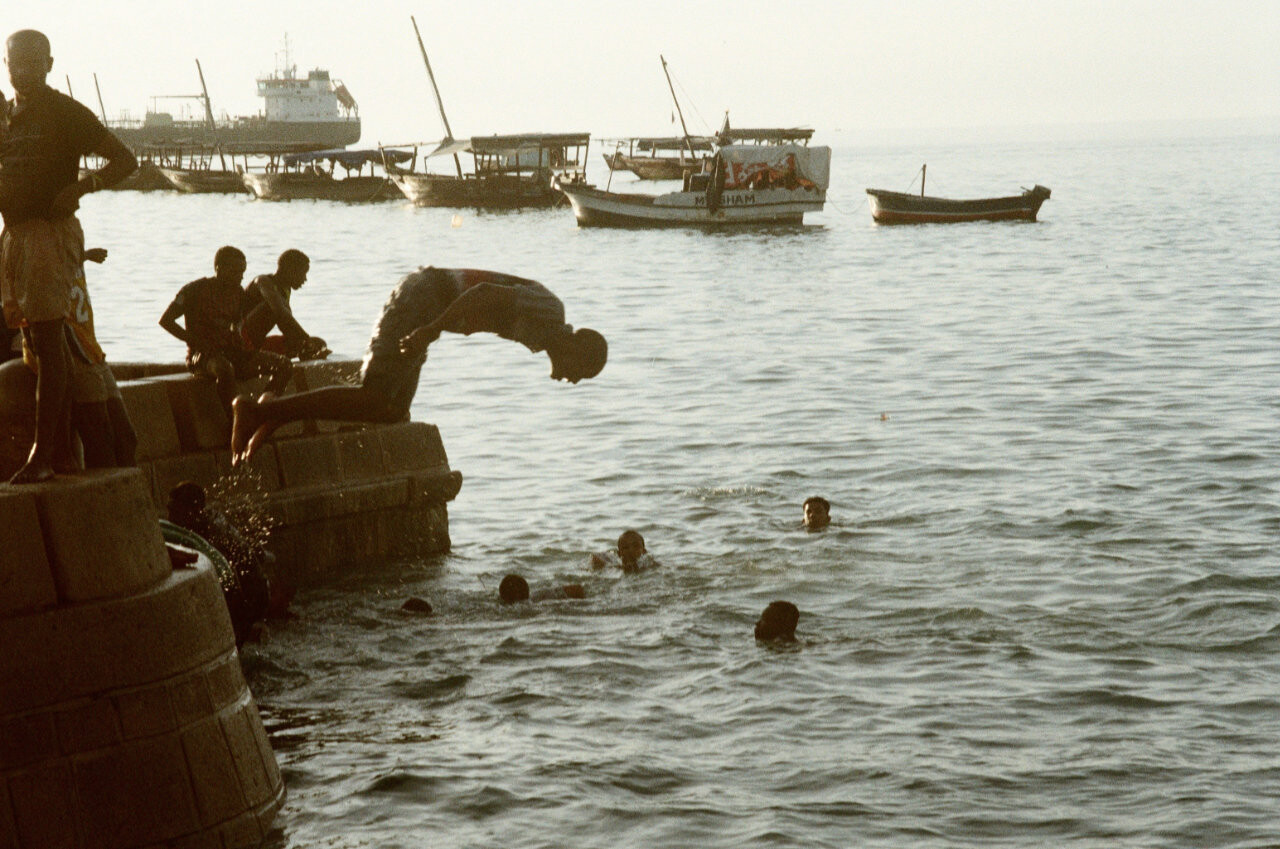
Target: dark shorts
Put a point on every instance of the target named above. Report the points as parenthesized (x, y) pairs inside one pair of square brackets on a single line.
[(394, 377), (246, 364)]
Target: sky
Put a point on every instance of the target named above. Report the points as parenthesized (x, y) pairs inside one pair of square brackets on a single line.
[(842, 68)]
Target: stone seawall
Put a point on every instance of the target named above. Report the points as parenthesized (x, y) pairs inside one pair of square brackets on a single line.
[(125, 720), (338, 495)]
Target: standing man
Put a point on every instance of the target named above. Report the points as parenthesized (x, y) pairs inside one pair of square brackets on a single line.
[(43, 134), (425, 303)]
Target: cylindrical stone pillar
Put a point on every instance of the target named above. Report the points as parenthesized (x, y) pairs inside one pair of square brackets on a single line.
[(125, 720)]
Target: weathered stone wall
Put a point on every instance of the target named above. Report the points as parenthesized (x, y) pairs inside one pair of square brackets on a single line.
[(338, 495), (125, 720)]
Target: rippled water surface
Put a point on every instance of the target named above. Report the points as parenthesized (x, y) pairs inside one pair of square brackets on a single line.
[(1047, 611)]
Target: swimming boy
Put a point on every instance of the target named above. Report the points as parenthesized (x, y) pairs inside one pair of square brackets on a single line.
[(630, 556), (424, 304), (817, 512)]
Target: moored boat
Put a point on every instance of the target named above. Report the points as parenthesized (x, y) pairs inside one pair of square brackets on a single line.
[(904, 208), (507, 172), (667, 158), (747, 185), (311, 176), (203, 180)]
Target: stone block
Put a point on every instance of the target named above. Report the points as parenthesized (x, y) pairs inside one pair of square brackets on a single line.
[(117, 644), (308, 461), (201, 420), (137, 794), (201, 467), (8, 828), (191, 699), (242, 832), (435, 486), (213, 772), (274, 778), (152, 418), (137, 371), (226, 682), (27, 739), (412, 446), (88, 725), (145, 712), (26, 579), (255, 781), (361, 455), (101, 534), (200, 840), (42, 807)]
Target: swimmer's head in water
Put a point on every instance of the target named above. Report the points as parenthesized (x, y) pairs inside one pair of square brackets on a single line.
[(630, 547), (778, 622), (512, 589)]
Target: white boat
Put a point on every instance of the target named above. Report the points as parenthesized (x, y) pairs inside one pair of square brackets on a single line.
[(748, 184)]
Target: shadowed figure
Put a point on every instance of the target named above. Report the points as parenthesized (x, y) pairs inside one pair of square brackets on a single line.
[(43, 135), (424, 304)]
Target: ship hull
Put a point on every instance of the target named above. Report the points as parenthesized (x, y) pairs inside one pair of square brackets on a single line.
[(243, 133)]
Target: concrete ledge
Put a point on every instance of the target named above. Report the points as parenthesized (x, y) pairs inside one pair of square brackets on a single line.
[(120, 644), (100, 534), (137, 371), (127, 723), (152, 418), (197, 411), (26, 580), (308, 460), (412, 446)]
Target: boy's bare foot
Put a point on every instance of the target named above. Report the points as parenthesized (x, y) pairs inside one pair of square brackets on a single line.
[(261, 435)]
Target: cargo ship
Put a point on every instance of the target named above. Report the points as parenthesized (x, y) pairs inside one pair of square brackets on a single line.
[(312, 111)]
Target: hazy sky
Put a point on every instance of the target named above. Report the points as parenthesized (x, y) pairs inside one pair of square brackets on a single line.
[(840, 67)]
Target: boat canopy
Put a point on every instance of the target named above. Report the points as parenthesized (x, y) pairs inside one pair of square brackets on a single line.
[(675, 143), (348, 158), (766, 135), (510, 143), (747, 164)]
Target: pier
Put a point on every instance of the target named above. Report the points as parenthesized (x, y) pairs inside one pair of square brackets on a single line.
[(125, 719)]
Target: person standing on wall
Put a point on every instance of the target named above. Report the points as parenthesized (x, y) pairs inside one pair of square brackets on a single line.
[(43, 135)]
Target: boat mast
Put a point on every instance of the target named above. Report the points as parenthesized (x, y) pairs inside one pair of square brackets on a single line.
[(448, 133), (208, 114), (687, 141), (922, 170), (101, 108)]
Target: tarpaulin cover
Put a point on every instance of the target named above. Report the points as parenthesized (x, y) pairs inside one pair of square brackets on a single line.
[(746, 163), (347, 158)]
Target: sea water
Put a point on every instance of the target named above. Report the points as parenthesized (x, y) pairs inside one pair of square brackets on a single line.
[(1047, 610)]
